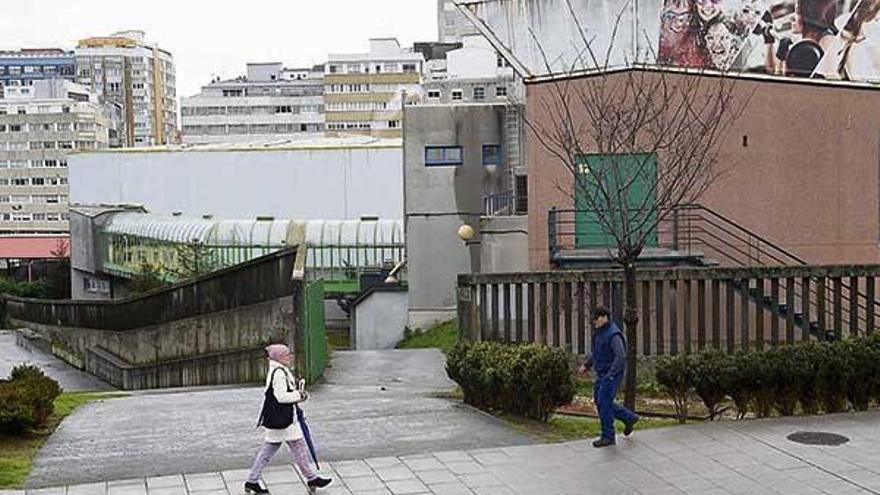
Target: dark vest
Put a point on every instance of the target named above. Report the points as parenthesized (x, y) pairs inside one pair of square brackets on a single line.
[(603, 355)]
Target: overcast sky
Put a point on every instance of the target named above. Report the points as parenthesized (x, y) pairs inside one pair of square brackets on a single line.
[(218, 37)]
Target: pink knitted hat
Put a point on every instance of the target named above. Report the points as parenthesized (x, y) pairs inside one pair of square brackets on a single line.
[(276, 351)]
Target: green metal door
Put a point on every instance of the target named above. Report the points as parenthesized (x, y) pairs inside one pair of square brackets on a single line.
[(315, 342), (636, 175)]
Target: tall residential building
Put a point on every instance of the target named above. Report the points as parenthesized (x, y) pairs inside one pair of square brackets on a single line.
[(139, 77), (365, 92), (39, 126), (269, 102), (452, 25), (23, 67)]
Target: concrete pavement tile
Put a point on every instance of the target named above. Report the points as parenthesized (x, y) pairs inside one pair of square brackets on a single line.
[(56, 490), (466, 467), (381, 491), (395, 473), (12, 492), (352, 468), (234, 476), (382, 462), (175, 490), (437, 476), (210, 492), (480, 479), (492, 458), (205, 482), (453, 456), (492, 490), (89, 489), (454, 488), (127, 490), (335, 490), (426, 464), (407, 487), (165, 481), (280, 476), (363, 483), (287, 488)]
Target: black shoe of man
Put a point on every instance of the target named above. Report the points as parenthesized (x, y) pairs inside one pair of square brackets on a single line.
[(628, 427), (603, 442)]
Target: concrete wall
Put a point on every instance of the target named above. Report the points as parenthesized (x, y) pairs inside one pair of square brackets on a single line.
[(307, 183), (379, 320), (440, 199), (504, 246), (800, 168)]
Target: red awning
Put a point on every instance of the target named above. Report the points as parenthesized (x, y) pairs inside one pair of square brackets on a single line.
[(33, 247)]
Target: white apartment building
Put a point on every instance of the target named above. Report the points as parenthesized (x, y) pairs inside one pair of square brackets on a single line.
[(452, 25), (139, 77), (365, 92), (40, 125), (270, 102)]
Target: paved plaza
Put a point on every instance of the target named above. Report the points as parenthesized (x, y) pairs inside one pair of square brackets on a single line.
[(749, 458)]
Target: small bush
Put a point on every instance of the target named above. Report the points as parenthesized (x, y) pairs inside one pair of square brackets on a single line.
[(832, 379), (676, 375), (709, 369), (523, 379), (26, 399)]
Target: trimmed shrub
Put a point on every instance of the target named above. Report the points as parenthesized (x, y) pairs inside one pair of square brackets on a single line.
[(27, 399), (709, 371), (676, 374), (832, 379), (523, 379)]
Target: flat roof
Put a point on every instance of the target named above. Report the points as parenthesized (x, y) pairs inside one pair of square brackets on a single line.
[(33, 247), (322, 143)]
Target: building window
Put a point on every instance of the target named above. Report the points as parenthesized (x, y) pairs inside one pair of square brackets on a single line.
[(38, 181), (501, 91), (479, 93), (20, 181), (434, 94), (393, 124), (491, 154), (410, 67), (456, 94), (443, 155)]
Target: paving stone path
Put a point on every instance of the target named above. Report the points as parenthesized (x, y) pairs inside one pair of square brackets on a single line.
[(749, 458)]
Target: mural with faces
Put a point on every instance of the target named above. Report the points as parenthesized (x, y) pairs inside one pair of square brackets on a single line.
[(830, 39)]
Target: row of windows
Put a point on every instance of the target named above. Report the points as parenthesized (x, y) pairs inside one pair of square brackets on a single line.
[(34, 217), (477, 93), (37, 199), (251, 129), (33, 181), (58, 127), (48, 145), (46, 70), (348, 126), (33, 163), (39, 109), (454, 155), (356, 106), (271, 91), (252, 110), (375, 68)]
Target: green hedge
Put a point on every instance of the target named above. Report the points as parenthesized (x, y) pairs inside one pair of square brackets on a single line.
[(523, 379), (26, 399), (808, 377)]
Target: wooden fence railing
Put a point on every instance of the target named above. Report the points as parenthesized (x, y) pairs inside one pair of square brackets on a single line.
[(680, 310)]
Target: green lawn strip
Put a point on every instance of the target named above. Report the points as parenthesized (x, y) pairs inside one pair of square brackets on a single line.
[(442, 336), (17, 452), (562, 428)]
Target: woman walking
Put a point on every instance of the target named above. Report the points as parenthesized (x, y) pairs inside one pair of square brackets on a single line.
[(280, 423)]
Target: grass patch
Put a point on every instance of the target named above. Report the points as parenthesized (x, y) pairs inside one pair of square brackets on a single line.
[(566, 428), (441, 336), (17, 452)]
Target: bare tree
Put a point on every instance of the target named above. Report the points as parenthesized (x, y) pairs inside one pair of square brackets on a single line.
[(194, 258), (655, 129)]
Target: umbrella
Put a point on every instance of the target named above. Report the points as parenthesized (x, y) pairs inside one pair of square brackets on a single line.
[(307, 435)]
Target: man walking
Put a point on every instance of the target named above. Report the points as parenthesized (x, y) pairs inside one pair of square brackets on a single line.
[(609, 362)]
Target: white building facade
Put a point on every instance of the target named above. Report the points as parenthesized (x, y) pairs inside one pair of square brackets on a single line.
[(138, 77), (40, 126), (270, 102)]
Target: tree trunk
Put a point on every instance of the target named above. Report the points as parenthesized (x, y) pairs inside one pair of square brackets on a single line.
[(631, 322)]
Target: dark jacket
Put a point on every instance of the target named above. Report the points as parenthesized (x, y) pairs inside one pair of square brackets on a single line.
[(609, 351)]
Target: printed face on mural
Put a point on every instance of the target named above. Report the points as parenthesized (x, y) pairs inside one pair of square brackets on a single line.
[(708, 9), (721, 44)]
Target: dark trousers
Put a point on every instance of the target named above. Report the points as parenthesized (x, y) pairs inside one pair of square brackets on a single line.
[(604, 391)]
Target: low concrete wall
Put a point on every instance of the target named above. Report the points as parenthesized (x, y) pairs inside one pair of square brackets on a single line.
[(379, 320), (208, 331)]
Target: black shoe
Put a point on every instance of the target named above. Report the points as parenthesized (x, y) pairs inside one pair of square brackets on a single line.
[(628, 427), (254, 488), (604, 442), (319, 482)]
